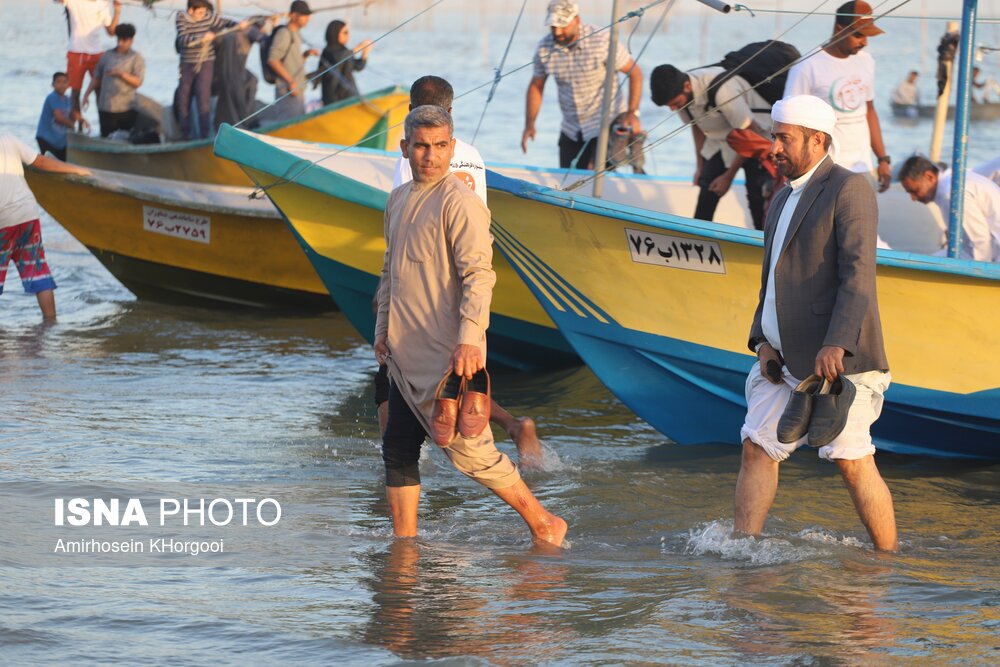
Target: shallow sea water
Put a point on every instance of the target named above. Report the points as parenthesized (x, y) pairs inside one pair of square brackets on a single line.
[(127, 393)]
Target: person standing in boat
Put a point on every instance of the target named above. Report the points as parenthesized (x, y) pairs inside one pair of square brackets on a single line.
[(197, 28), (20, 228), (56, 119), (468, 165), (844, 76), (86, 18), (287, 59), (906, 92), (926, 183), (433, 311), (816, 328), (338, 82), (118, 75), (718, 163), (576, 56)]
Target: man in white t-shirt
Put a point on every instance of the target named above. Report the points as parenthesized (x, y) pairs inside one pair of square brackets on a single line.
[(20, 231), (843, 75), (925, 183), (86, 20), (468, 165)]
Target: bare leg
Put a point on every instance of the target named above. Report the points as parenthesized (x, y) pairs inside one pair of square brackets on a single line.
[(403, 501), (522, 432), (545, 526), (872, 500), (47, 302), (383, 416), (755, 490)]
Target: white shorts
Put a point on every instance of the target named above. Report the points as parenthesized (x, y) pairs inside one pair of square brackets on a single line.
[(766, 402)]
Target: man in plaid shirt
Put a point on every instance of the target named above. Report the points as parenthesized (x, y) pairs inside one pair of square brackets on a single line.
[(576, 55)]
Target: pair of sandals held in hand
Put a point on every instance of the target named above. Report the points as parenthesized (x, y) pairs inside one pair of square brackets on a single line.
[(460, 407)]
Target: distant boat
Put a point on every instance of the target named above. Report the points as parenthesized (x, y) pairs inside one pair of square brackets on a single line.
[(977, 112), (178, 241), (659, 306), (378, 116)]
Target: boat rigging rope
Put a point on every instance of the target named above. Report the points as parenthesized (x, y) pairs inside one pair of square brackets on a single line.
[(670, 135), (260, 190), (498, 73), (320, 73)]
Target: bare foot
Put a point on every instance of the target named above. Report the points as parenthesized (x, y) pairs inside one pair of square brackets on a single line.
[(525, 437), (551, 533)]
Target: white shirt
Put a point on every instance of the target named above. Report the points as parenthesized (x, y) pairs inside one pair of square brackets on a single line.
[(734, 110), (846, 84), (467, 164), (87, 20), (17, 204), (769, 315), (990, 170), (980, 215)]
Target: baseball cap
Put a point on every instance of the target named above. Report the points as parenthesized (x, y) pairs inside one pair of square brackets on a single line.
[(561, 12), (858, 15), (300, 7)]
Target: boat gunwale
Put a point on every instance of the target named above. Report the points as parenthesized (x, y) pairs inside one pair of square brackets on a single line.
[(95, 182), (94, 145)]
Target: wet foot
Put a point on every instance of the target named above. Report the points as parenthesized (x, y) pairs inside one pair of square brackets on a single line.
[(552, 533), (525, 437)]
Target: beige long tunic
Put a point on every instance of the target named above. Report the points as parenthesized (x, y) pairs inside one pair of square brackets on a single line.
[(435, 292)]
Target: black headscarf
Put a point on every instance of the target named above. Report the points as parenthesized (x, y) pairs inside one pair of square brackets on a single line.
[(333, 32)]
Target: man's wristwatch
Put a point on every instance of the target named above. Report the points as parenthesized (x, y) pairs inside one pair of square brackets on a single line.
[(886, 159), (756, 348)]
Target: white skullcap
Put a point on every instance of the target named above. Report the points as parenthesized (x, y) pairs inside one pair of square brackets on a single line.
[(805, 111)]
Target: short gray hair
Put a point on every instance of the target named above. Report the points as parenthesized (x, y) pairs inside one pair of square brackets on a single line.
[(427, 115), (915, 167)]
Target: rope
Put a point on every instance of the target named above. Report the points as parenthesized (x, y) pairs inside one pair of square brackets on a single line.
[(653, 144), (320, 73), (259, 191), (754, 12), (497, 72)]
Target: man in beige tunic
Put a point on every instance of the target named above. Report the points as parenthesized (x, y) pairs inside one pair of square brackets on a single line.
[(433, 311)]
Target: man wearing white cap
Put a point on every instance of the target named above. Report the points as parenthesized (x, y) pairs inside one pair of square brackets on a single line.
[(817, 319), (843, 75), (576, 55)]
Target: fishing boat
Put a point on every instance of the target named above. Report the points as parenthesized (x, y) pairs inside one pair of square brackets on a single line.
[(180, 241), (659, 306), (987, 111), (333, 198), (373, 121)]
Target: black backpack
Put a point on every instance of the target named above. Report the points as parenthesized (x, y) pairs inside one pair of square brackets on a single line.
[(757, 69), (265, 53)]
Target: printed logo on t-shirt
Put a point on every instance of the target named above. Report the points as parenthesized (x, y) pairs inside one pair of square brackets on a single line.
[(848, 94), (467, 179)]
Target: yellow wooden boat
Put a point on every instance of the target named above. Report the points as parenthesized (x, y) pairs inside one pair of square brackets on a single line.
[(375, 121), (179, 241)]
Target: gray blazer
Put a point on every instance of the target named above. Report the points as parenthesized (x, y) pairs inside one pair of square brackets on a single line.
[(825, 276)]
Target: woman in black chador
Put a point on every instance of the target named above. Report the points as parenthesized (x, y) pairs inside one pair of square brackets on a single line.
[(338, 83)]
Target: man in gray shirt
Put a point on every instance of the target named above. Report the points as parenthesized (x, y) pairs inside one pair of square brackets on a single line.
[(118, 74), (288, 61)]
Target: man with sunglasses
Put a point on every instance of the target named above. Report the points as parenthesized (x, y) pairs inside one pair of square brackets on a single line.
[(843, 75)]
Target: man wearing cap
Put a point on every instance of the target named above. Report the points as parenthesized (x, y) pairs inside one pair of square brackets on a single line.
[(817, 315), (844, 76), (577, 58), (288, 61)]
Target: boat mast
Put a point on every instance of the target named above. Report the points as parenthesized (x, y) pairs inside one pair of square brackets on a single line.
[(944, 99), (610, 81), (967, 44)]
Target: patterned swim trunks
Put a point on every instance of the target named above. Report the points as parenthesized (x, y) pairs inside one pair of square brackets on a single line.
[(22, 244)]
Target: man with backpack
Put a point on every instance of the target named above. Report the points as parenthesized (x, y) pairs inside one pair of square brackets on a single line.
[(715, 102), (286, 62)]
